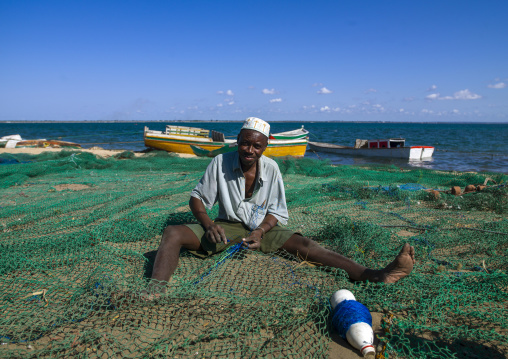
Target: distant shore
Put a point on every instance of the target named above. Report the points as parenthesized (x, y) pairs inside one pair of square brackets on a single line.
[(97, 152), (271, 121)]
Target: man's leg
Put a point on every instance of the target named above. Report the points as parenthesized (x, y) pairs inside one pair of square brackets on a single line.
[(306, 248), (166, 260)]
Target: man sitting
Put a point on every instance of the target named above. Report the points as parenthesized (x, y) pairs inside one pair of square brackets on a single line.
[(249, 189)]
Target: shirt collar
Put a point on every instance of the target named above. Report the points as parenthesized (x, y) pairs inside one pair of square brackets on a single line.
[(261, 166)]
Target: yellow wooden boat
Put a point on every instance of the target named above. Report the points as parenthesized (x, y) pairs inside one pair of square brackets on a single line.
[(180, 138)]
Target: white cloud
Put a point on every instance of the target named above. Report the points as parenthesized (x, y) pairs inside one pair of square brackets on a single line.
[(459, 95), (268, 92), (219, 105), (317, 84), (408, 99), (462, 95), (325, 109), (228, 93), (500, 85), (231, 103), (432, 88), (275, 100), (432, 96), (324, 91), (370, 91)]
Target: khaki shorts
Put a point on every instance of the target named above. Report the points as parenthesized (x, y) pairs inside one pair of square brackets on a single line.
[(235, 231)]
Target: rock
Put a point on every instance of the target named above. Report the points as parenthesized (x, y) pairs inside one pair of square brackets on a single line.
[(435, 194), (456, 190), (470, 188)]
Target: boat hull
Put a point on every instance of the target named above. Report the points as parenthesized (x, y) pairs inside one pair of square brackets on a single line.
[(414, 153), (299, 134), (182, 144), (46, 143), (198, 151), (178, 145)]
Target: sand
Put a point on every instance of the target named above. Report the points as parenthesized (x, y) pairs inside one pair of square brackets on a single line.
[(98, 152)]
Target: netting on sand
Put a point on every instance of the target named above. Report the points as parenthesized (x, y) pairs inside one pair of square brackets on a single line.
[(75, 230)]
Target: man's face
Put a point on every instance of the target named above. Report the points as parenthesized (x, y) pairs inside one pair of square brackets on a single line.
[(251, 145)]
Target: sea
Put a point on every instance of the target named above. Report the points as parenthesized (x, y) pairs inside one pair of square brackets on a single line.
[(458, 146)]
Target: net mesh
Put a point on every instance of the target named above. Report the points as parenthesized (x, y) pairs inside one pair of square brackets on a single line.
[(76, 230)]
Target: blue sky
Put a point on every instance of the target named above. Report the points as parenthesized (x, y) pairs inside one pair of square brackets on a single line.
[(278, 60)]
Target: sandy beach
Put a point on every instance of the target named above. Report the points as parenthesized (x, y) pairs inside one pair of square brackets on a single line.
[(97, 152)]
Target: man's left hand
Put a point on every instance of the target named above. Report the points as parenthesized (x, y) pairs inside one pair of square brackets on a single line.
[(253, 241)]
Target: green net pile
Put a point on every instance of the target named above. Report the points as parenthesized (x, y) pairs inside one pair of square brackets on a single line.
[(77, 230)]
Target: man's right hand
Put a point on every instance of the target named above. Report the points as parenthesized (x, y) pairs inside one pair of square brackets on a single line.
[(215, 234)]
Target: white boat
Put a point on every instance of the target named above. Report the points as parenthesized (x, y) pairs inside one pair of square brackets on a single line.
[(9, 141), (300, 133), (387, 148)]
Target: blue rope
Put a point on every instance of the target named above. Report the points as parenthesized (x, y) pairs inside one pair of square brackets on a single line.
[(412, 187), (363, 204), (347, 313), (225, 255), (431, 247)]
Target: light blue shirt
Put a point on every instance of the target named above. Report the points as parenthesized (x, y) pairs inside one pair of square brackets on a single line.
[(224, 182)]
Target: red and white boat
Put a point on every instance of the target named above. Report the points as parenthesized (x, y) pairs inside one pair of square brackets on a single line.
[(388, 148)]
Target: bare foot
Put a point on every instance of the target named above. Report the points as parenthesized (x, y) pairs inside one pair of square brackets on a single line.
[(401, 266), (146, 296), (155, 290)]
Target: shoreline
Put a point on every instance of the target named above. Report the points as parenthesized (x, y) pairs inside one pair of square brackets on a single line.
[(97, 152)]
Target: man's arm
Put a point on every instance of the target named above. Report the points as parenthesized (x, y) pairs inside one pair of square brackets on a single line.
[(253, 241), (214, 232)]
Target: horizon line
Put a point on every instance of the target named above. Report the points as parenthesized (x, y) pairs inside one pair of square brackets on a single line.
[(275, 121)]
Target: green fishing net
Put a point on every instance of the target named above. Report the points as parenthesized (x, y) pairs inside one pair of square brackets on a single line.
[(79, 233)]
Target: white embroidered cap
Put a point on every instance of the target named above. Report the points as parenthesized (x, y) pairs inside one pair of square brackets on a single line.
[(257, 124)]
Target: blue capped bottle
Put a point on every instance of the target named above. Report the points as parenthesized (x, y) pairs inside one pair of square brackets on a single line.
[(353, 322)]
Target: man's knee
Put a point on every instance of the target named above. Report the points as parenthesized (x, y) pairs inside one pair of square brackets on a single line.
[(173, 234), (180, 235), (298, 243), (169, 233)]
